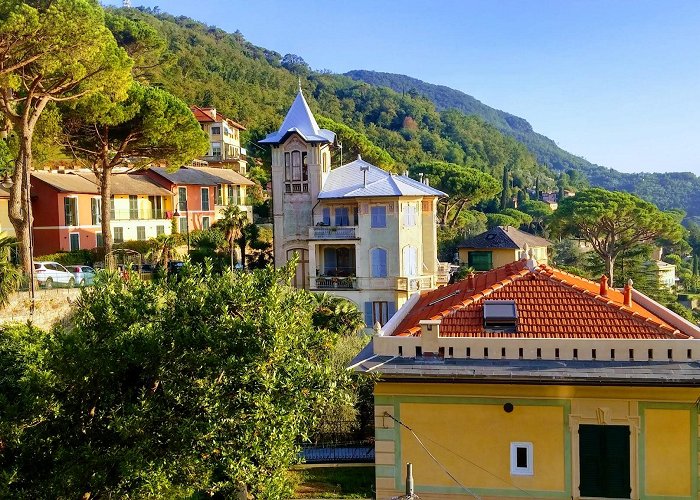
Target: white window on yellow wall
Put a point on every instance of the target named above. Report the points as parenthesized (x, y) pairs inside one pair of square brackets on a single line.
[(409, 214), (521, 459), (410, 261)]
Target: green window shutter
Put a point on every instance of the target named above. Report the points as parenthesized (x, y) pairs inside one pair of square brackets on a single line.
[(604, 459)]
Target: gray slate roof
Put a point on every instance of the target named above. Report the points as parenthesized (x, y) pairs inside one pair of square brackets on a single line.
[(521, 371), (504, 237), (300, 120), (348, 181), (202, 176)]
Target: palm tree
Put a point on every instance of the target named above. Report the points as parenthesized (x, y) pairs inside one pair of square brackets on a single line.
[(10, 275), (337, 314), (163, 249), (233, 222)]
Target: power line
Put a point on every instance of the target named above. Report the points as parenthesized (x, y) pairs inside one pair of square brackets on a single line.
[(433, 457), (386, 414)]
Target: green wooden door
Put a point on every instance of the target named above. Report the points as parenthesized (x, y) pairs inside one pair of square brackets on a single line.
[(604, 461)]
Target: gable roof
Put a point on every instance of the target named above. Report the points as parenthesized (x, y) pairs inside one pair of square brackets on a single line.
[(348, 181), (202, 176), (86, 183), (550, 304), (204, 115), (300, 120), (68, 182), (504, 237)]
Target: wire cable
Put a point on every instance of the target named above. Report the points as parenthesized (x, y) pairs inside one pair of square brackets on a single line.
[(387, 414)]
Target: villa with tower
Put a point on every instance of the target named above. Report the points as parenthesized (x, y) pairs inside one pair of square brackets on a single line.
[(357, 231)]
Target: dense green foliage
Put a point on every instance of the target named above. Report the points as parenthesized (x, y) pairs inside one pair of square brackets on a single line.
[(256, 86), (613, 223), (666, 190), (203, 382)]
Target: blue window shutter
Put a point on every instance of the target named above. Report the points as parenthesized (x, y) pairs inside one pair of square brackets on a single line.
[(368, 314), (329, 260), (392, 309), (327, 216)]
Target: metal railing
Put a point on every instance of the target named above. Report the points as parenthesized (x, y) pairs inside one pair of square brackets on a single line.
[(138, 214), (340, 441), (333, 282), (333, 232)]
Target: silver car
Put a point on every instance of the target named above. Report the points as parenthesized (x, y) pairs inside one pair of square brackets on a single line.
[(50, 274), (84, 275)]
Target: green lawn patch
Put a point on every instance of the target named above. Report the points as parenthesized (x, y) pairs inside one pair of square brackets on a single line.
[(335, 482)]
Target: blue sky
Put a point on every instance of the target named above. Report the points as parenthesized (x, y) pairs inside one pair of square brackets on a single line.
[(617, 82)]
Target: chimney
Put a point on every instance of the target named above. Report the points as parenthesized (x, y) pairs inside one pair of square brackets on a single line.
[(420, 177), (426, 181), (603, 286), (628, 294), (405, 173), (213, 112), (470, 281)]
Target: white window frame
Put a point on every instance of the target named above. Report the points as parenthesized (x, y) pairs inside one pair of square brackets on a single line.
[(521, 471)]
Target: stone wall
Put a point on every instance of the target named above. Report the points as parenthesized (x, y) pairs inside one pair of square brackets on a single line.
[(51, 306)]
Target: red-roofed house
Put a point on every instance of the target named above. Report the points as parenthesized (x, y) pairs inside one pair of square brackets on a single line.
[(224, 138), (526, 381)]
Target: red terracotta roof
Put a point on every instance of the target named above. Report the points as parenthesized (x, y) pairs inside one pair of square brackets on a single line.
[(550, 304), (203, 115)]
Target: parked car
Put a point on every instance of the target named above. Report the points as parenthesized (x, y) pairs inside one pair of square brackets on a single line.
[(146, 271), (174, 266), (84, 275), (49, 274)]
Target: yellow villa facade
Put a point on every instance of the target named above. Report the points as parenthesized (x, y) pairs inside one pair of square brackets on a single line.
[(499, 246), (528, 382), (357, 231)]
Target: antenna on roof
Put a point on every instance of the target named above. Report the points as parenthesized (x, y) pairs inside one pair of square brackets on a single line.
[(364, 169)]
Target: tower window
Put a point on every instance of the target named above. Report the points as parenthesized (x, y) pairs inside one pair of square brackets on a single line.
[(287, 167), (296, 165)]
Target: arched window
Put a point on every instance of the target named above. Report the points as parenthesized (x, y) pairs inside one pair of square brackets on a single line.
[(378, 260)]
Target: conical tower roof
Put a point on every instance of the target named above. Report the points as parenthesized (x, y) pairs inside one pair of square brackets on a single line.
[(300, 120)]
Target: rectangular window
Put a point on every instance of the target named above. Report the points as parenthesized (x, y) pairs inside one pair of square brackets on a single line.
[(216, 149), (342, 216), (205, 199), (70, 206), (604, 461), (216, 130), (141, 233), (409, 215), (205, 223), (480, 261), (378, 216), (100, 240), (74, 242), (182, 198), (219, 194), (296, 166), (183, 225), (380, 312), (160, 230), (326, 216), (231, 199), (521, 463), (378, 262), (96, 210), (287, 167), (304, 168), (133, 207), (111, 209), (119, 235)]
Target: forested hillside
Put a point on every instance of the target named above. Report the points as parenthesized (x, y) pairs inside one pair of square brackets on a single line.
[(206, 66), (667, 190)]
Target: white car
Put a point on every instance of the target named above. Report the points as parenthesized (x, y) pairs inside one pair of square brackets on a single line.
[(49, 274)]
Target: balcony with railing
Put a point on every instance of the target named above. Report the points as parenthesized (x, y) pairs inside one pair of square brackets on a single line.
[(333, 283), (154, 214), (333, 233), (414, 284)]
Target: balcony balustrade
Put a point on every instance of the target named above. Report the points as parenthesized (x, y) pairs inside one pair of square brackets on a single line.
[(334, 283), (333, 232)]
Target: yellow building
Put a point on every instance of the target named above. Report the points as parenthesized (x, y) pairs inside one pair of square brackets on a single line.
[(359, 232), (528, 382), (500, 246), (224, 139), (6, 228)]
